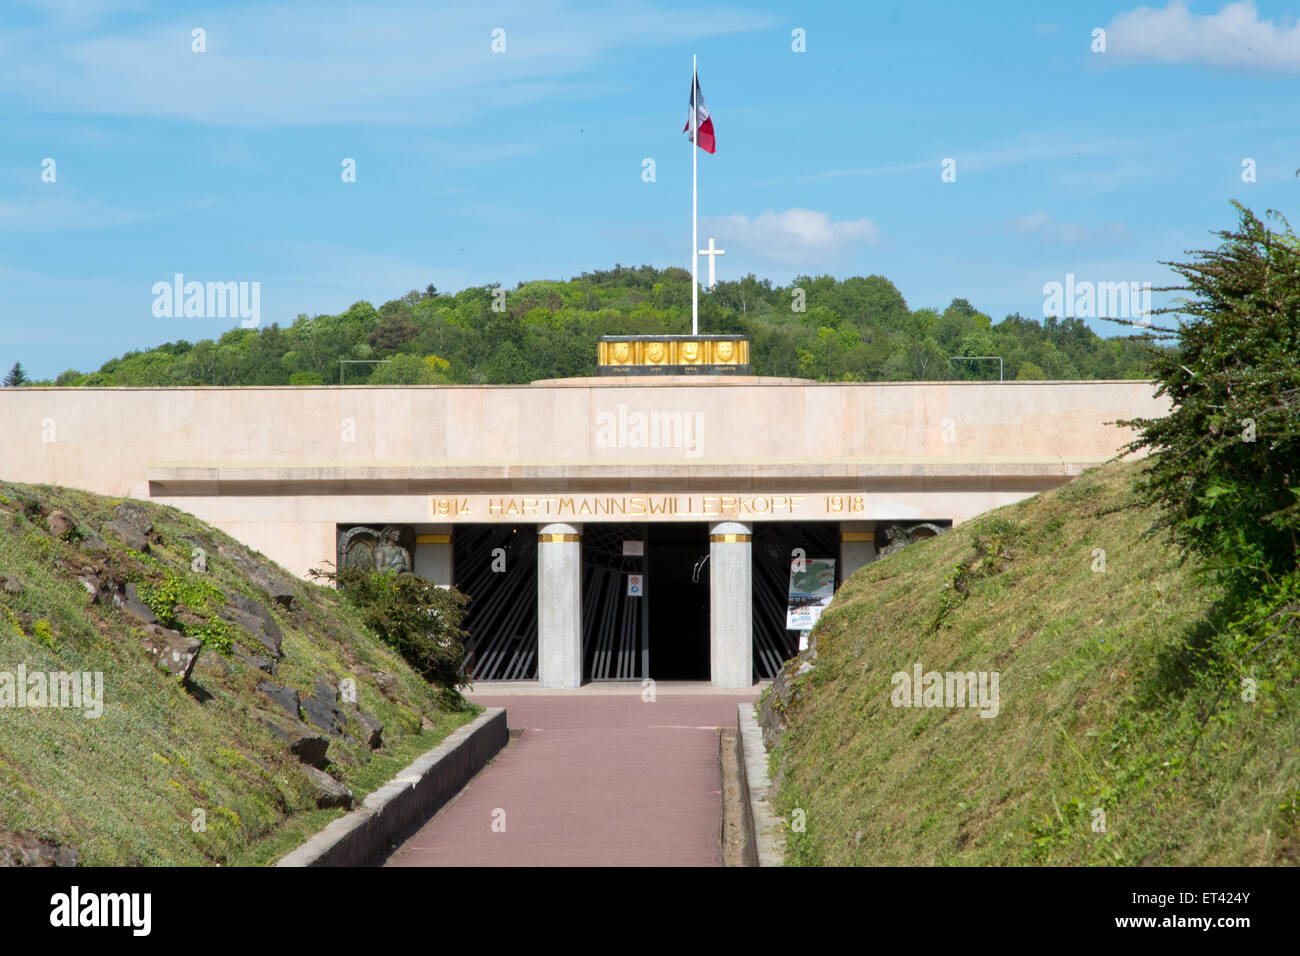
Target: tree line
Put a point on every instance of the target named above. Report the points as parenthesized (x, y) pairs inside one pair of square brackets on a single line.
[(820, 328)]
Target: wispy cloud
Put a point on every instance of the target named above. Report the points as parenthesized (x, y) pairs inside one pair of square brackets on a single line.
[(1235, 36), (349, 61), (64, 211), (796, 237), (1042, 227)]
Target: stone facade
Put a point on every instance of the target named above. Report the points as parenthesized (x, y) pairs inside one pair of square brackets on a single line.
[(283, 469)]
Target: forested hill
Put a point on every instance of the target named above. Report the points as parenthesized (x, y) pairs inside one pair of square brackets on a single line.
[(856, 329)]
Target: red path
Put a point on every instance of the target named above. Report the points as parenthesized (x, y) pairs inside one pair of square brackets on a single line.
[(598, 779)]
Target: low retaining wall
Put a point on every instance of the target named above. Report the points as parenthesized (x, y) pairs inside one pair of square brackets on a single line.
[(394, 811), (764, 835)]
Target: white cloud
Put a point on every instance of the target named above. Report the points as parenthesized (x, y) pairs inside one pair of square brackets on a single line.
[(1233, 37), (1039, 225), (794, 237)]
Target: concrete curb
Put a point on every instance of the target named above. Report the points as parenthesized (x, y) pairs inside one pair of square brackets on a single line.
[(365, 836), (764, 834)]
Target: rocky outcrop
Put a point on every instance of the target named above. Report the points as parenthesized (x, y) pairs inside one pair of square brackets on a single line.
[(24, 849), (172, 650), (326, 791)]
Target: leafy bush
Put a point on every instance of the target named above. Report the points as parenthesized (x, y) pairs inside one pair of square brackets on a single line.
[(1226, 460), (415, 617)]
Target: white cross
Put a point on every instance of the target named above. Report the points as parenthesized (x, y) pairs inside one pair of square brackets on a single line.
[(712, 253)]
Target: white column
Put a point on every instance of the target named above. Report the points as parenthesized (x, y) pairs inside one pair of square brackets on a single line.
[(857, 546), (432, 559), (559, 605), (731, 608)]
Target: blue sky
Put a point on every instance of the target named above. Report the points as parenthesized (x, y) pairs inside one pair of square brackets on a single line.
[(475, 166)]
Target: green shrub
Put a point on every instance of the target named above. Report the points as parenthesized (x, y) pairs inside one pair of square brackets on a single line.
[(415, 617)]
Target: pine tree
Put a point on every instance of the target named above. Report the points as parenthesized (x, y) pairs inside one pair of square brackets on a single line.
[(16, 376)]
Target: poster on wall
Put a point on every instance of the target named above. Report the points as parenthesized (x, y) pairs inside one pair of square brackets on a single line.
[(812, 585)]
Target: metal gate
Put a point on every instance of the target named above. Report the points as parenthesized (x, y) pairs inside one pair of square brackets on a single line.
[(496, 565), (773, 544), (615, 624)]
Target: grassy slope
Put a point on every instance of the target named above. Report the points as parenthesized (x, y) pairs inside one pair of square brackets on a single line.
[(121, 789), (1096, 711)]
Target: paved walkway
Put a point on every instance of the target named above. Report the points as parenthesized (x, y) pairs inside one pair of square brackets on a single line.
[(599, 778)]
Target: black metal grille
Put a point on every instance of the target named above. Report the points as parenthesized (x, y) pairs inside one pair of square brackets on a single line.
[(773, 544), (502, 618)]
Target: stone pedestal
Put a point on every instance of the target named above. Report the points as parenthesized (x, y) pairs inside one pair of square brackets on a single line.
[(857, 546), (731, 634), (432, 559), (559, 605)]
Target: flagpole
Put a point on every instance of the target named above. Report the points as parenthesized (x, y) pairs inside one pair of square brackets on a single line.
[(695, 190)]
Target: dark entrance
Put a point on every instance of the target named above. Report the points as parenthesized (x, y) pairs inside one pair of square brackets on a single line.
[(614, 644), (677, 586), (773, 550)]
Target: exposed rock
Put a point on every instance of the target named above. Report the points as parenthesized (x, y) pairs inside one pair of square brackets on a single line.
[(322, 709), (94, 544), (172, 650), (328, 792), (374, 730), (24, 849), (264, 664), (135, 516), (253, 617), (304, 743), (262, 574), (132, 605), (386, 683), (128, 535), (772, 714), (60, 523), (10, 584), (286, 698), (213, 661)]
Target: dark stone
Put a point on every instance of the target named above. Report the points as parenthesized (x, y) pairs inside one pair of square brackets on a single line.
[(213, 661), (135, 516), (282, 595), (172, 650), (374, 730), (264, 629), (254, 661), (24, 849), (310, 748), (60, 523), (284, 697), (321, 708), (304, 743), (328, 792), (132, 605), (263, 574), (128, 535)]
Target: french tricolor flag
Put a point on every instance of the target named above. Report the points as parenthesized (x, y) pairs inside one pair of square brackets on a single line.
[(703, 122)]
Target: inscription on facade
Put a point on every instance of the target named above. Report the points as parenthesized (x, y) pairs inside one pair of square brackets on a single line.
[(646, 507)]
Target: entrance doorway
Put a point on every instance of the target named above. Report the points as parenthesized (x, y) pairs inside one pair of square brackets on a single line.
[(645, 602), (677, 586)]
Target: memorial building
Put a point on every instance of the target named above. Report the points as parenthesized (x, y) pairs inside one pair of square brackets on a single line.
[(640, 523)]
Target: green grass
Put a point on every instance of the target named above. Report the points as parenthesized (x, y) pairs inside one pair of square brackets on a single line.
[(122, 789), (1099, 708)]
